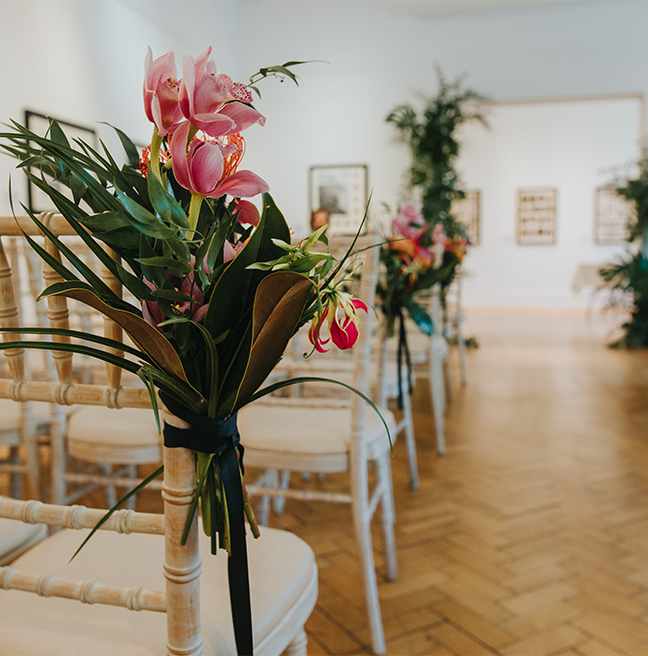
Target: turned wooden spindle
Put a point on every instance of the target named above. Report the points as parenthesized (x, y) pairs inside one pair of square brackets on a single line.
[(182, 564), (87, 592), (57, 312), (111, 329), (9, 319)]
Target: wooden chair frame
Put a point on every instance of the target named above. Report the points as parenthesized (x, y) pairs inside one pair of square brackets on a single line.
[(182, 565)]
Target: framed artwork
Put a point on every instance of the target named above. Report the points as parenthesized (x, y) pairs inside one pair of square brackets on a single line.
[(612, 213), (37, 200), (341, 191), (536, 216), (468, 211)]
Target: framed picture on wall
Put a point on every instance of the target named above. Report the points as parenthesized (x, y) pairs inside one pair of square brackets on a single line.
[(536, 216), (341, 192), (37, 200), (612, 214), (467, 210)]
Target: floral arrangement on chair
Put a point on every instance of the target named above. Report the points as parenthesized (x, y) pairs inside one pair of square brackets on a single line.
[(220, 287), (415, 257), (432, 139)]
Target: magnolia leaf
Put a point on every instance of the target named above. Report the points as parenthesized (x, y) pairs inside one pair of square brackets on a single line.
[(234, 291), (147, 338), (278, 305)]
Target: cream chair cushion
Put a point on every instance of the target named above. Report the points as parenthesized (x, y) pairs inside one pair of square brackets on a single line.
[(16, 537), (283, 580), (10, 415), (293, 430), (128, 435)]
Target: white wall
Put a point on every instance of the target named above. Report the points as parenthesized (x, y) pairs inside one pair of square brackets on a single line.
[(380, 57), (572, 146), (83, 61)]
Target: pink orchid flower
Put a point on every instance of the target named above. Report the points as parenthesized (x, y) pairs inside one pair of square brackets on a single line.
[(247, 213), (438, 234), (209, 168), (214, 103), (230, 251), (161, 92), (410, 222), (194, 310)]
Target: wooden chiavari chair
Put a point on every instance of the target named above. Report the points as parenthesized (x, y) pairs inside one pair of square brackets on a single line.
[(283, 573)]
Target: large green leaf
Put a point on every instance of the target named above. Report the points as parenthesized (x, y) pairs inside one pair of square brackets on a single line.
[(144, 221), (235, 289), (147, 337), (278, 306), (165, 204)]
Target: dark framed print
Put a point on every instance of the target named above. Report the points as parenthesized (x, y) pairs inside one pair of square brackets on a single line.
[(37, 200), (340, 191)]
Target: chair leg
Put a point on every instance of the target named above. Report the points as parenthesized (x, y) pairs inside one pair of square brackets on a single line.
[(362, 524), (410, 442), (462, 354), (111, 495), (58, 456), (270, 478), (279, 503), (132, 473), (33, 464), (447, 380), (438, 403), (15, 478), (298, 646), (383, 470)]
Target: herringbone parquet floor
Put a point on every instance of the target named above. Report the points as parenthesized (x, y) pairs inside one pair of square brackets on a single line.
[(531, 535)]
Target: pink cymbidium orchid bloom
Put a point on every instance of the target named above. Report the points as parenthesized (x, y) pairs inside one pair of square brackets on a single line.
[(214, 103), (247, 213), (161, 92), (208, 168), (410, 222)]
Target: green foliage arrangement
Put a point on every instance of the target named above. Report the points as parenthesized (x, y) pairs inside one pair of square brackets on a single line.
[(432, 138), (631, 273)]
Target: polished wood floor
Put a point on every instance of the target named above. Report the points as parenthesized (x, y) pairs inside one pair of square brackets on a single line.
[(530, 536)]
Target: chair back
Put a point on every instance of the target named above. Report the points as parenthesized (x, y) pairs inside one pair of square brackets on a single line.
[(182, 563)]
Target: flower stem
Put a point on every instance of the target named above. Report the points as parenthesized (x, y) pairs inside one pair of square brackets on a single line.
[(156, 142), (194, 210)]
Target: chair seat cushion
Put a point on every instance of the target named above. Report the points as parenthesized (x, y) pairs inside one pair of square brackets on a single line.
[(311, 432), (128, 435), (283, 580), (11, 412), (16, 537)]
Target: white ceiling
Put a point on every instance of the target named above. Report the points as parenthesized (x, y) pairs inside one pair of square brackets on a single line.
[(440, 8)]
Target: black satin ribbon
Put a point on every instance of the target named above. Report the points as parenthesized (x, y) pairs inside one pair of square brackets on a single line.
[(221, 437), (403, 349)]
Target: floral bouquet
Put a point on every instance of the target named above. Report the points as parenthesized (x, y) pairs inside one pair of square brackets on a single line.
[(220, 289), (415, 257)]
